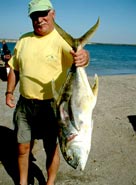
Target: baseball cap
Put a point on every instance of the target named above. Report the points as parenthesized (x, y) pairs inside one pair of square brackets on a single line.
[(39, 5)]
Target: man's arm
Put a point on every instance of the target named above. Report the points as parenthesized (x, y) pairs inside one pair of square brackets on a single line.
[(13, 79)]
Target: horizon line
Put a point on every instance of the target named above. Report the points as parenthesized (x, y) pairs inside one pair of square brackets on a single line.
[(99, 43)]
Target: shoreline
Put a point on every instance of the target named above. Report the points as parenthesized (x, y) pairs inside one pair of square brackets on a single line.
[(112, 75), (112, 159), (89, 43)]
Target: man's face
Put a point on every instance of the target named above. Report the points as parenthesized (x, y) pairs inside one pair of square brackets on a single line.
[(43, 21)]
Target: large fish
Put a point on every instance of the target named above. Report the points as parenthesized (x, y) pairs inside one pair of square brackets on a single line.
[(74, 106)]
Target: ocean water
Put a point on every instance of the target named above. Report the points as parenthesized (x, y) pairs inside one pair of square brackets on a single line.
[(108, 59), (111, 59)]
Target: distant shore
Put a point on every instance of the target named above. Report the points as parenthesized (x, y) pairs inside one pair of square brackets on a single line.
[(94, 43), (9, 40), (116, 44)]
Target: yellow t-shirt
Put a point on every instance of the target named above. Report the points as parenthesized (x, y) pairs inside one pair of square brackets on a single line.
[(40, 60)]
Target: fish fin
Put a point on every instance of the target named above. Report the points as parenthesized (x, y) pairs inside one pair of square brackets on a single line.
[(89, 34), (69, 39), (77, 43), (95, 85)]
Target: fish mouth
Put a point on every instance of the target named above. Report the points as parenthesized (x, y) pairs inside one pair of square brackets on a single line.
[(76, 161), (73, 161), (72, 156)]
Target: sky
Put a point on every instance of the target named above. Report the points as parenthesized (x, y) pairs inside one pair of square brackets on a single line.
[(117, 19)]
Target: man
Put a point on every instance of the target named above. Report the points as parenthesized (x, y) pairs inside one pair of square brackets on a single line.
[(4, 47), (6, 54), (39, 57)]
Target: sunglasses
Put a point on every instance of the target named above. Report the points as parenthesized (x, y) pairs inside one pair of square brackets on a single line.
[(37, 14)]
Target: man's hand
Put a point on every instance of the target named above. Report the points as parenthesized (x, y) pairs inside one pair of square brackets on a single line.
[(81, 57), (10, 100)]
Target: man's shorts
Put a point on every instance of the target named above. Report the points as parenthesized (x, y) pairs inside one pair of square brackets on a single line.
[(35, 119)]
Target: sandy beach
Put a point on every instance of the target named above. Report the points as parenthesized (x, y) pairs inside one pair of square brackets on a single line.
[(112, 159)]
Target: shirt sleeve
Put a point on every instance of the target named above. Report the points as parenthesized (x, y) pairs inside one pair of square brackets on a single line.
[(13, 62)]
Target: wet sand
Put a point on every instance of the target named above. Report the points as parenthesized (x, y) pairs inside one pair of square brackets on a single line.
[(112, 159)]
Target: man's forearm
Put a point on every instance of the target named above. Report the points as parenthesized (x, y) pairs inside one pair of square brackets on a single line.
[(12, 81)]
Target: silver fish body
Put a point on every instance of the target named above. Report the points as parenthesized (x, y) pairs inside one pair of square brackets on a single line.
[(75, 120), (74, 113), (74, 107)]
